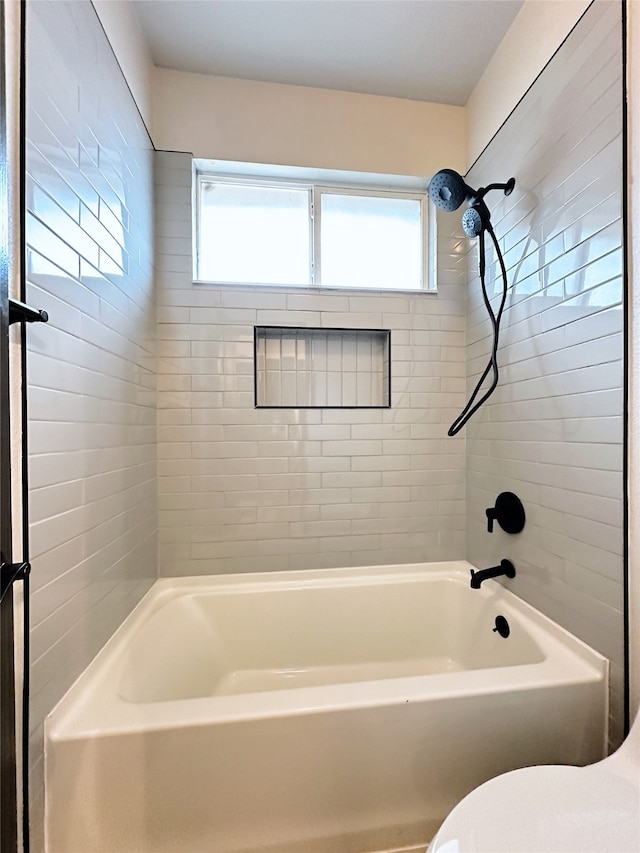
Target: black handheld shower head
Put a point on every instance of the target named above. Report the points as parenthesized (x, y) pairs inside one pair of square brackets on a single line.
[(447, 190), (475, 219)]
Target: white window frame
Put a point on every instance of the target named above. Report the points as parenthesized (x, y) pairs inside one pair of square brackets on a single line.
[(318, 183)]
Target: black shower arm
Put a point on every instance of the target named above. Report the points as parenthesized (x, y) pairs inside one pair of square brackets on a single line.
[(508, 189)]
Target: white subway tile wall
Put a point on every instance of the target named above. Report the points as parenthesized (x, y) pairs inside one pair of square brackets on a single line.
[(91, 369), (245, 489), (553, 431)]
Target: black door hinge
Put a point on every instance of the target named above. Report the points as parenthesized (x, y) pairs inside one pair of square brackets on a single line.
[(10, 572)]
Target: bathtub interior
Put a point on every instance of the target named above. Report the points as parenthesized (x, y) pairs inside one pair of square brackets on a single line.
[(251, 638)]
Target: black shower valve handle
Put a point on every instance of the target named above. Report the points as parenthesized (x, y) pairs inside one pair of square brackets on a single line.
[(508, 512)]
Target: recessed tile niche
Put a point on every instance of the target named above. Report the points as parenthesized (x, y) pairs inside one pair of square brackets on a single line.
[(321, 368)]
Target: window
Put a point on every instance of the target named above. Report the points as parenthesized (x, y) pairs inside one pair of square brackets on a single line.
[(253, 233), (252, 230)]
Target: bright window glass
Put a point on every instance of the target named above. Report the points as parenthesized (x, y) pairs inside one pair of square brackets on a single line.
[(370, 241), (297, 232), (254, 234)]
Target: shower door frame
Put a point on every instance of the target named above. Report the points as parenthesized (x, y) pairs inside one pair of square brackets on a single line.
[(8, 769)]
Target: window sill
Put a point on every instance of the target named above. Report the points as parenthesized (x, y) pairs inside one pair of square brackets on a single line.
[(315, 289)]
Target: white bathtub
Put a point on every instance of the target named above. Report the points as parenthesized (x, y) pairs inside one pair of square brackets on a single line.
[(332, 711)]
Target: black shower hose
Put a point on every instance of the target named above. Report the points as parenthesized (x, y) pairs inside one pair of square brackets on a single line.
[(473, 403)]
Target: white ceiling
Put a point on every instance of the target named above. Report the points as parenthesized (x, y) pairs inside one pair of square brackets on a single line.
[(428, 50)]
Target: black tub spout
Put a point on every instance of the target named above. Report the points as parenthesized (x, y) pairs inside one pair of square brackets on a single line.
[(506, 568)]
